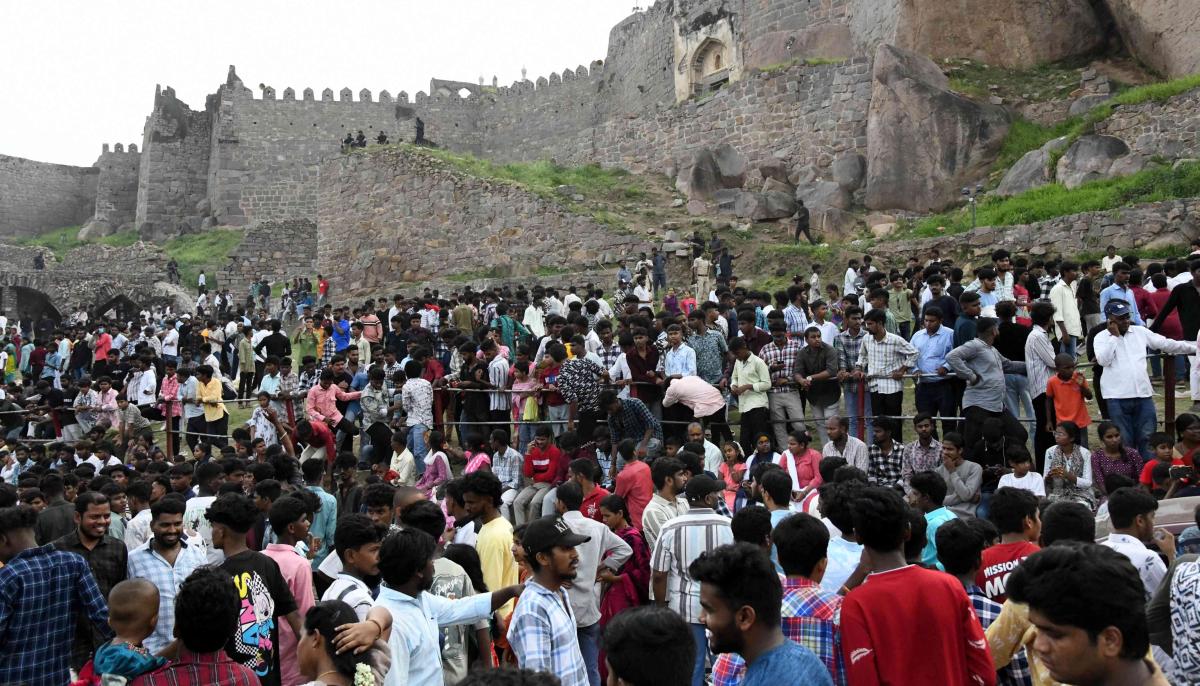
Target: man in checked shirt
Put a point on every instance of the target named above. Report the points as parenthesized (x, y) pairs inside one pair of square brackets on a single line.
[(883, 360)]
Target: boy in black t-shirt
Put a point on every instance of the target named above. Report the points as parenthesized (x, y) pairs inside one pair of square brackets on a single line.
[(263, 594)]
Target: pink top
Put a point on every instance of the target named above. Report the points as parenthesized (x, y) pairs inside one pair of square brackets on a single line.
[(731, 485), (477, 461), (802, 468), (322, 402), (519, 399), (102, 346), (170, 391), (298, 575), (702, 397), (435, 474)]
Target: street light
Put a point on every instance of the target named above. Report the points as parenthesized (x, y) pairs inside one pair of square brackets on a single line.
[(972, 196)]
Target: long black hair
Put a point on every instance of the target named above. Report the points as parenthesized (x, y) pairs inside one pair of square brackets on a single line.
[(324, 618)]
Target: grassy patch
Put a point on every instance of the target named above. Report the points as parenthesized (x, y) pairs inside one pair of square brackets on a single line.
[(63, 240), (464, 277), (207, 251), (551, 271), (1055, 200), (543, 177), (1043, 82), (1156, 253), (1025, 136)]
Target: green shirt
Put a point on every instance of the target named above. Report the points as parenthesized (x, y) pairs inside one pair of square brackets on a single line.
[(899, 305), (754, 372)]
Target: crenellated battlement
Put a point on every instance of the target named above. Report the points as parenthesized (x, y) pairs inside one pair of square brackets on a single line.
[(118, 149)]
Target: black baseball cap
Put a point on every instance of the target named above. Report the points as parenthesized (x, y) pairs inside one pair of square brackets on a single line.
[(545, 533)]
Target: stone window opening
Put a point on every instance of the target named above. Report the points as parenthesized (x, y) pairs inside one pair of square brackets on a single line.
[(710, 68)]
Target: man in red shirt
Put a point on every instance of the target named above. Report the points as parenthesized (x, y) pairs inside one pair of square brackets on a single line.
[(878, 641), (584, 472), (634, 483), (1014, 511)]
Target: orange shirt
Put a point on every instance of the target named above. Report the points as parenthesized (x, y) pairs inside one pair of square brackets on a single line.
[(1068, 401)]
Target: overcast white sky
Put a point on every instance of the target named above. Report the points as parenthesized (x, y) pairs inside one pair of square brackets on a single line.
[(78, 73)]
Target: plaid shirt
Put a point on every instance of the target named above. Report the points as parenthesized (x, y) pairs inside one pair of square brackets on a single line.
[(796, 321), (507, 467), (609, 354), (885, 470), (307, 381), (632, 422), (389, 377), (880, 358), (190, 668), (711, 352), (41, 590), (788, 355), (848, 346), (987, 610), (148, 564), (542, 634), (810, 617)]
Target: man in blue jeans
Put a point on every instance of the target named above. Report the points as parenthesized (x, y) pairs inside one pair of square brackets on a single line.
[(1125, 385)]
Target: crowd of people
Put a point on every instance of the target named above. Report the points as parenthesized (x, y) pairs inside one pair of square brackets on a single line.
[(541, 485)]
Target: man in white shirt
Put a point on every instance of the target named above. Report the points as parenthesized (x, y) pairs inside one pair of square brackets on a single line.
[(170, 342), (851, 276), (1125, 385), (143, 387), (842, 444), (599, 559), (1066, 308), (1110, 259), (1132, 512)]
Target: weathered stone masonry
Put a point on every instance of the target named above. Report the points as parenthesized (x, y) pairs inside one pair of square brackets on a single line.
[(35, 196), (402, 215)]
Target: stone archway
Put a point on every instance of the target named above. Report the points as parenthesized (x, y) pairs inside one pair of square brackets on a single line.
[(710, 66), (125, 309), (32, 307)]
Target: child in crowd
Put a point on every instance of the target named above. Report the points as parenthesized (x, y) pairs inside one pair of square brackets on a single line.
[(1164, 453), (1068, 390), (1022, 475), (402, 464), (477, 454), (437, 465), (132, 614), (524, 404)]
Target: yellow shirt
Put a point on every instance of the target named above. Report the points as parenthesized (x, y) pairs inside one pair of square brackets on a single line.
[(211, 392), (1012, 631), (494, 545)]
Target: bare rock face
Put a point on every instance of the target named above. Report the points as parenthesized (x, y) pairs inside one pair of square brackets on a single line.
[(924, 142), (1164, 34), (699, 177), (1009, 33), (94, 229), (816, 194), (731, 165), (1031, 171), (849, 170), (1091, 158)]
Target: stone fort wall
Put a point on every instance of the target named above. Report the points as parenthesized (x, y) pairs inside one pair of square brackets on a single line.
[(35, 196), (375, 208), (173, 175), (116, 187)]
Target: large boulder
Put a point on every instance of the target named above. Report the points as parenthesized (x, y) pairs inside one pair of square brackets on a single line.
[(849, 171), (731, 166), (1090, 159), (816, 194), (1164, 34), (1008, 33), (833, 225), (699, 177), (777, 205), (772, 184), (1031, 171), (748, 204), (924, 142)]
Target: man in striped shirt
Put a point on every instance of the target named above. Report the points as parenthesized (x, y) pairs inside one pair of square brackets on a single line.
[(681, 541)]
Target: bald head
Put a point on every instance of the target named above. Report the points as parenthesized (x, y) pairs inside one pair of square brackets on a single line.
[(132, 603)]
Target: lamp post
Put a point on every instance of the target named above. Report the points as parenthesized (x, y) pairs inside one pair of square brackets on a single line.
[(972, 196)]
